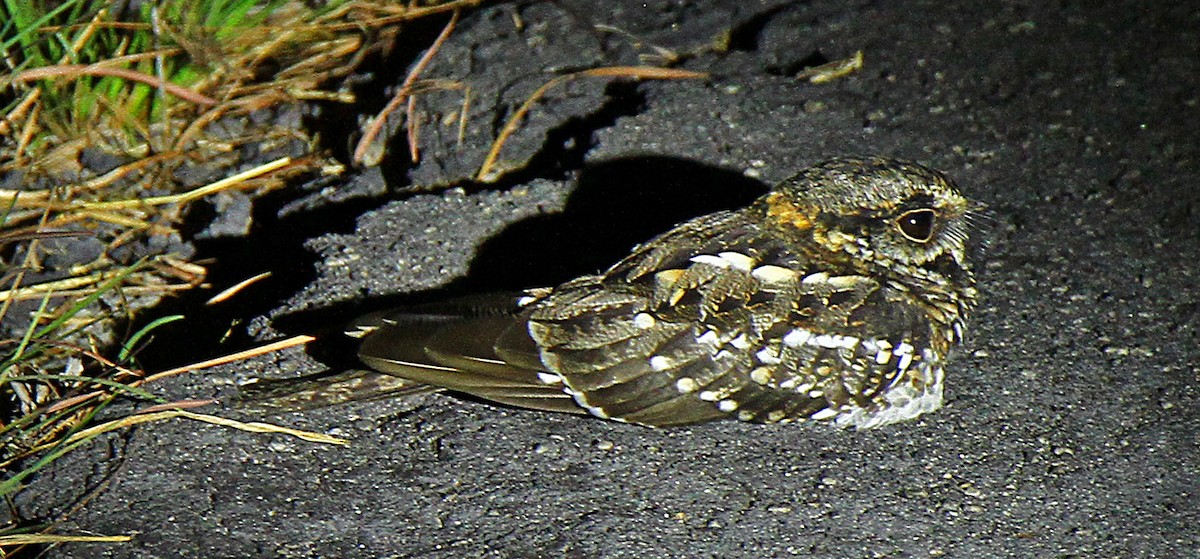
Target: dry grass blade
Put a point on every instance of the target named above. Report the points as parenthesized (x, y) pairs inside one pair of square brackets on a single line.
[(28, 204), (228, 292), (257, 427), (84, 435), (19, 112), (40, 290), (17, 236), (76, 70), (40, 539), (485, 173), (161, 275), (239, 356), (251, 427), (223, 184)]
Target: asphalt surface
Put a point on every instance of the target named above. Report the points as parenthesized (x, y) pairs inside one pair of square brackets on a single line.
[(1073, 415)]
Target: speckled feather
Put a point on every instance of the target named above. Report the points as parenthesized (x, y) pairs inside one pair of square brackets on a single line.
[(836, 296)]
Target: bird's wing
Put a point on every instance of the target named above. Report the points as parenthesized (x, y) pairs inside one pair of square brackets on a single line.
[(452, 345), (720, 317)]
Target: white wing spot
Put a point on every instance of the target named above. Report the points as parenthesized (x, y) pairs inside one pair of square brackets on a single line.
[(711, 260), (644, 320), (905, 352), (761, 375), (844, 282), (708, 338), (660, 363), (773, 274), (740, 342), (819, 277), (709, 396), (834, 341), (727, 405), (797, 337), (598, 412), (738, 260), (827, 413), (686, 385), (549, 378), (768, 356)]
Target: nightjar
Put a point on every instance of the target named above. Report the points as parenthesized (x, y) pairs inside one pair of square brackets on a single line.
[(835, 296)]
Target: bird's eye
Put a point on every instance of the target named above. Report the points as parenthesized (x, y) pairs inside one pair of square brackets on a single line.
[(917, 225)]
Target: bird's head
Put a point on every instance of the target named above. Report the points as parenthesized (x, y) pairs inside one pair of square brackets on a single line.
[(880, 211)]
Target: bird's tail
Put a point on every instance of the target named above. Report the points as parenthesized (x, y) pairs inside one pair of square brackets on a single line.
[(477, 345)]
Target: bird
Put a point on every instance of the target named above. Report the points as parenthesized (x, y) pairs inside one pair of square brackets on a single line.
[(837, 297)]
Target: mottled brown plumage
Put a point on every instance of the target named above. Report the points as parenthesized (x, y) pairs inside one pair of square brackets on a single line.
[(835, 296)]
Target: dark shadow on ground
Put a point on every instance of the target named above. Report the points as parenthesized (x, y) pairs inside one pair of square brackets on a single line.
[(617, 204)]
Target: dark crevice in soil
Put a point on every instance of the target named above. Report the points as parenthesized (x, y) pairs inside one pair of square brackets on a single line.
[(745, 36)]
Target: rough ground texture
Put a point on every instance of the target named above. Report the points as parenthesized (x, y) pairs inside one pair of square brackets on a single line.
[(1073, 413)]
